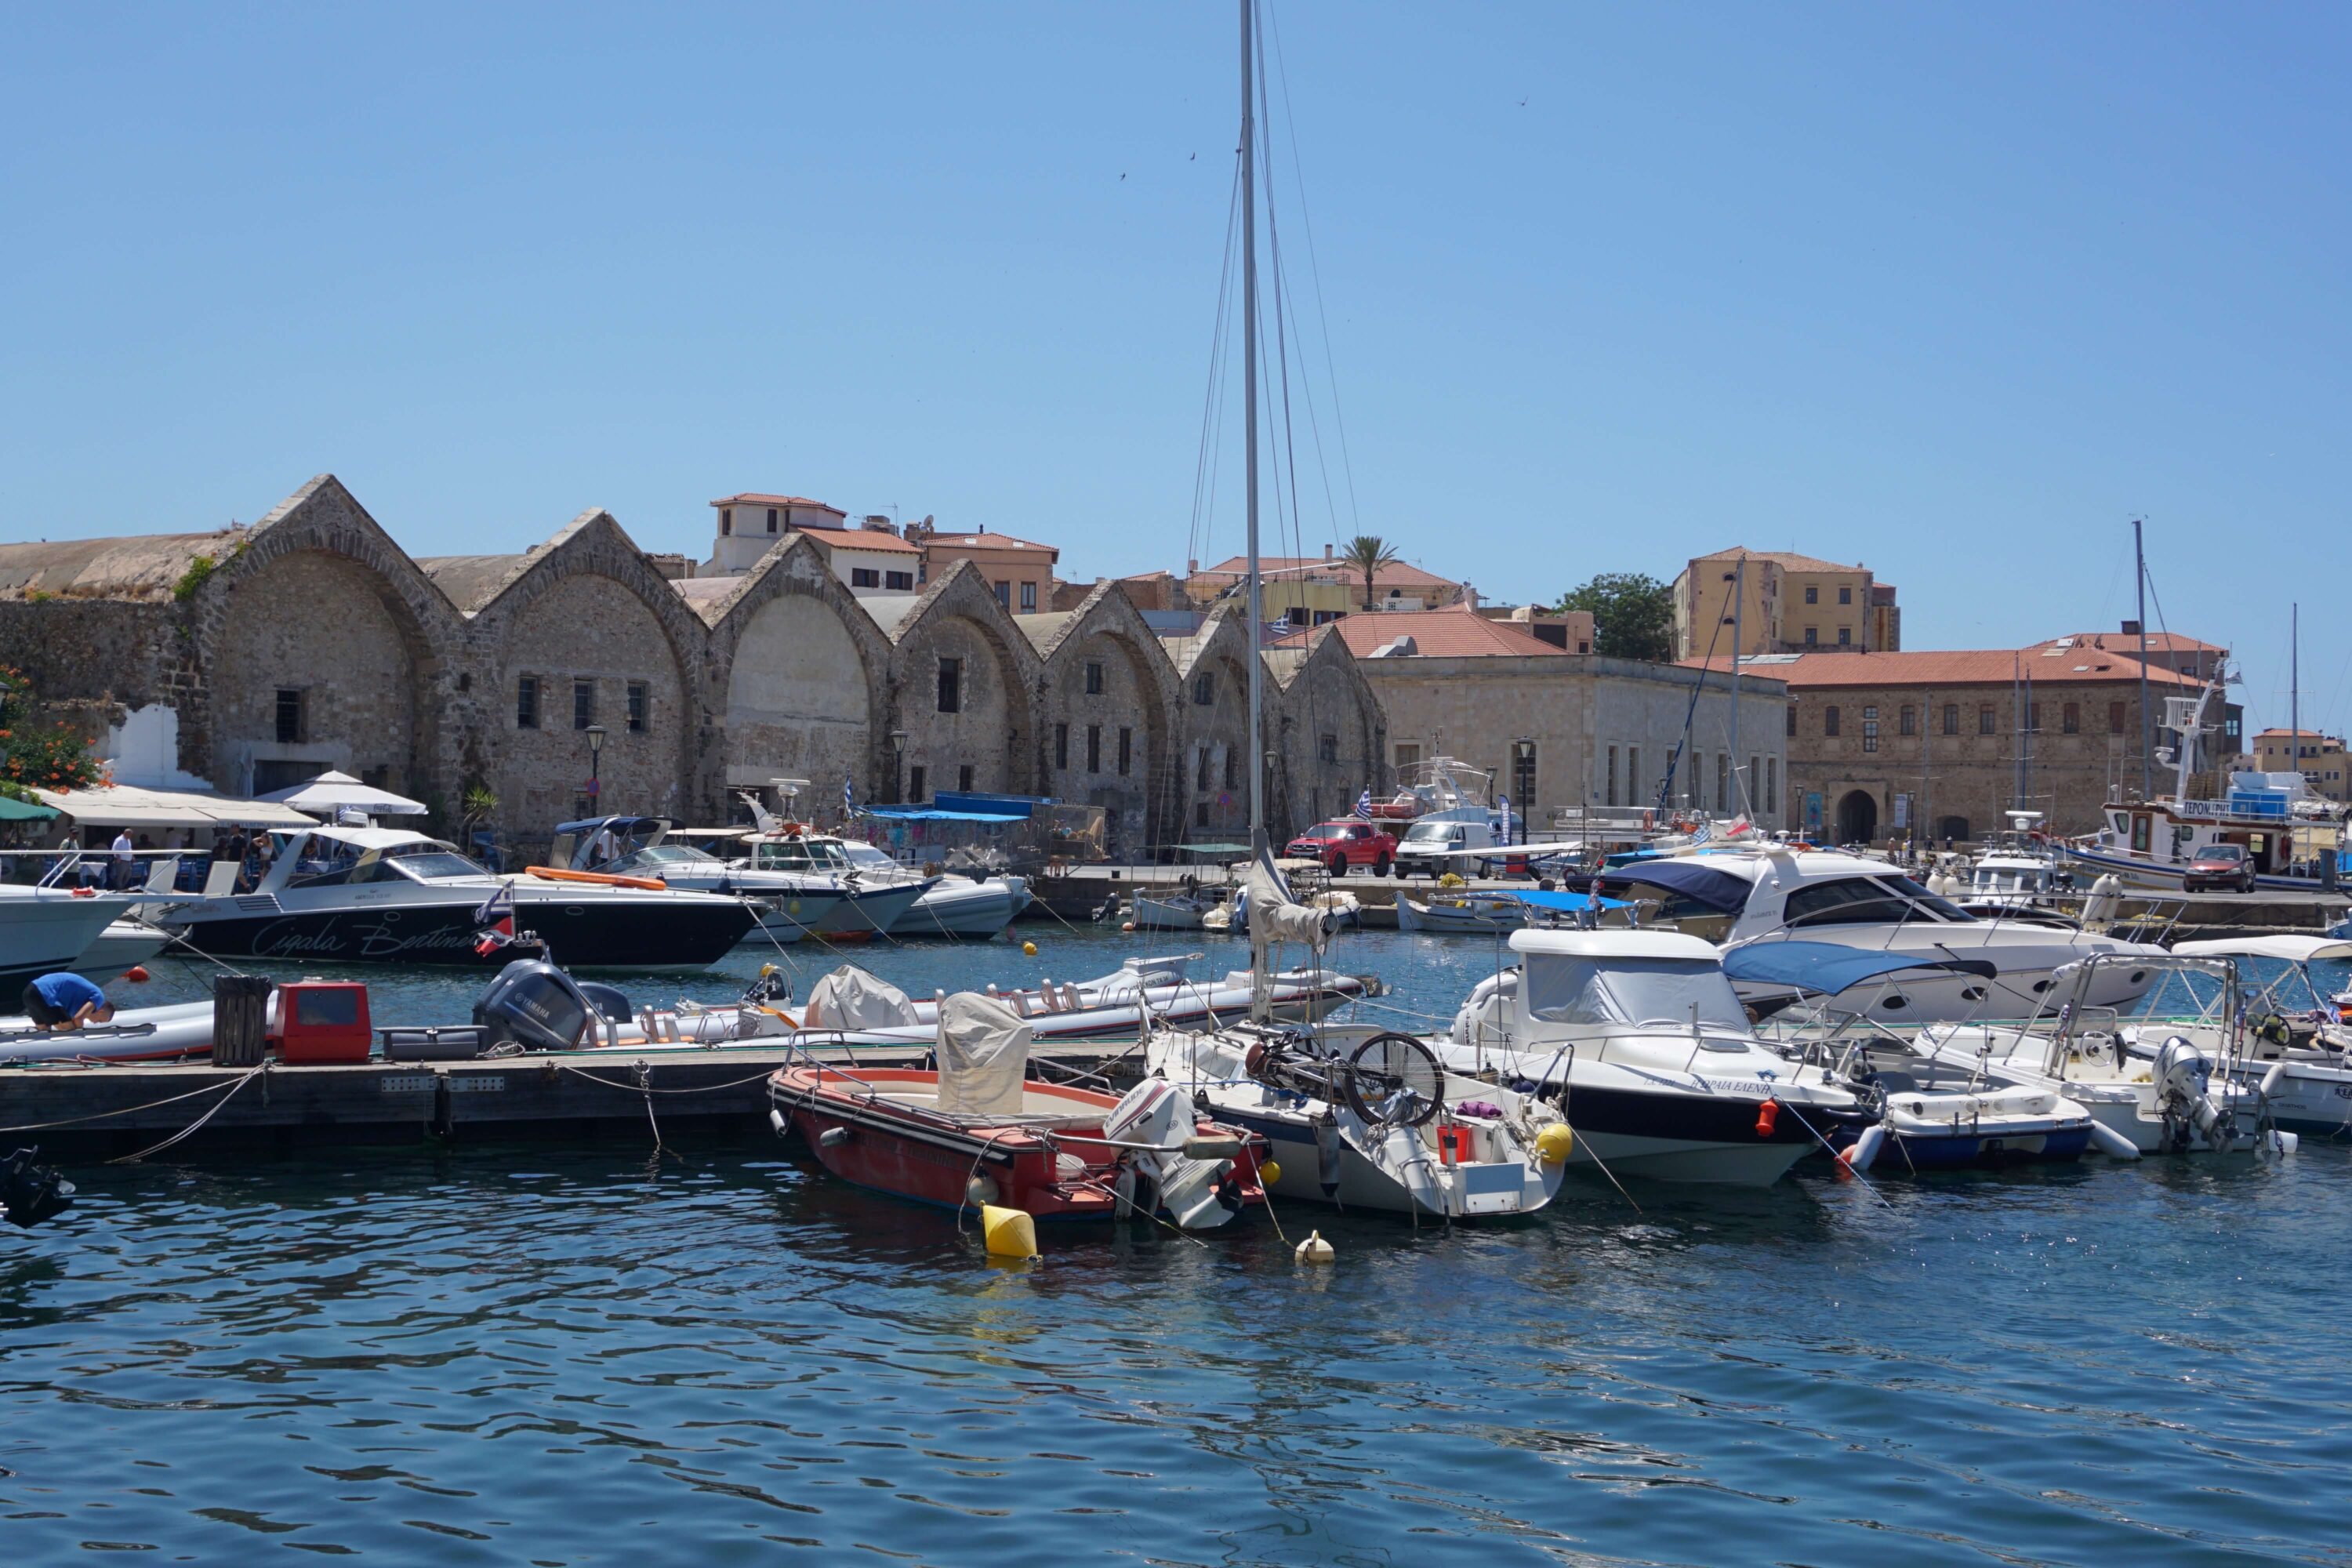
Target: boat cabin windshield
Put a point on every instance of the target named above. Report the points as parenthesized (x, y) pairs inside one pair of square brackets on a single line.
[(1867, 900), (866, 856), (659, 857), (330, 863), (1563, 989), (798, 855)]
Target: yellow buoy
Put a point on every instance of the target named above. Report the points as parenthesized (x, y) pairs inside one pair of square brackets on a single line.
[(1268, 1172), (1030, 948), (1314, 1250), (1553, 1144), (1010, 1233)]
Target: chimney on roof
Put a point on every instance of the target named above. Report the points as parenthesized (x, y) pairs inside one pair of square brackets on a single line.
[(1327, 553), (1191, 568), (2131, 628)]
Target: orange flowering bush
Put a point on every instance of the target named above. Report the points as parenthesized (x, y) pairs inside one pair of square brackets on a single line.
[(52, 757)]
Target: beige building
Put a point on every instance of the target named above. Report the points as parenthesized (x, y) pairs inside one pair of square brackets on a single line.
[(1779, 602), (1559, 730), (2319, 758), (1325, 586), (1019, 572)]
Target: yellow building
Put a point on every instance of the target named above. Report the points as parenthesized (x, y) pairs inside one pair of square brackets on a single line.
[(2319, 758), (1788, 604)]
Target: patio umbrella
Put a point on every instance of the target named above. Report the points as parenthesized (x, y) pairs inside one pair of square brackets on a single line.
[(331, 792)]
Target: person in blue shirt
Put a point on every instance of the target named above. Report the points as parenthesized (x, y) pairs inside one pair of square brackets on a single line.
[(61, 1002)]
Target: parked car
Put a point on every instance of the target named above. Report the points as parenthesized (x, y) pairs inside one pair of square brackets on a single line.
[(1343, 846), (1423, 851), (2217, 867)]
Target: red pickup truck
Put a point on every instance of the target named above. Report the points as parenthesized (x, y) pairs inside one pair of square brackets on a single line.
[(1345, 844)]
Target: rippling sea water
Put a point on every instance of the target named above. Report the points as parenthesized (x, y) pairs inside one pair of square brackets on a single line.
[(590, 1356)]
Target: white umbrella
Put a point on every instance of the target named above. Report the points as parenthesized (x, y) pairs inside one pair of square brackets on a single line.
[(332, 792)]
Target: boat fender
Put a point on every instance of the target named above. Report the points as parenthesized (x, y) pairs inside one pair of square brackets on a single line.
[(1314, 1250), (2112, 1143), (2271, 1079), (776, 1119), (832, 1137), (980, 1191), (1858, 1156), (1327, 1152), (1767, 1118), (2279, 1143), (1554, 1143), (1008, 1233), (137, 974), (1213, 1147)]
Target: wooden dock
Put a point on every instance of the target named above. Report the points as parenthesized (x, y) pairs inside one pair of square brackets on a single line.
[(79, 1112)]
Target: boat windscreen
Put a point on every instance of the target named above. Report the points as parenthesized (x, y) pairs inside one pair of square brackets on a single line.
[(1567, 989)]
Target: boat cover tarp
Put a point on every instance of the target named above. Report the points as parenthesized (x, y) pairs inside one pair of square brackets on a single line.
[(984, 1049), (850, 998), (933, 813), (1826, 968), (1567, 902), (1719, 891), (1274, 916)]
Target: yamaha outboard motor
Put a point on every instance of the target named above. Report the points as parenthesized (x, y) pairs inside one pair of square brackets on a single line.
[(30, 1194), (538, 1006)]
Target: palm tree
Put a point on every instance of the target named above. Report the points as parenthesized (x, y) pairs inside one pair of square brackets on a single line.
[(1368, 553)]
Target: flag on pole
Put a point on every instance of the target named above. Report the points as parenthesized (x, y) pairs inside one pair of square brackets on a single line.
[(848, 798), (496, 916), (1364, 804), (1702, 832), (1740, 827)]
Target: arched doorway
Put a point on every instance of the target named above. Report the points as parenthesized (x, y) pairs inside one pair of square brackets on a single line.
[(1954, 830), (1857, 817)]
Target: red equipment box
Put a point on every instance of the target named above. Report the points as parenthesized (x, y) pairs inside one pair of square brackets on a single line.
[(324, 1021)]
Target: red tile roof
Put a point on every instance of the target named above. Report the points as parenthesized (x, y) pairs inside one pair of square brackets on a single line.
[(1457, 632), (752, 498), (2128, 642), (1396, 577), (986, 541), (1787, 559), (1961, 667), (858, 539), (2282, 733)]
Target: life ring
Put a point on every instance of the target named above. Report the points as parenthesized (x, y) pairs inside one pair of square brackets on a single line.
[(601, 879)]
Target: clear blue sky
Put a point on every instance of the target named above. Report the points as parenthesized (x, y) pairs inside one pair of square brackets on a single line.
[(1955, 292)]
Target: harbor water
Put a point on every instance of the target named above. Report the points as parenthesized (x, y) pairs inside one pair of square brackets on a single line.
[(602, 1354)]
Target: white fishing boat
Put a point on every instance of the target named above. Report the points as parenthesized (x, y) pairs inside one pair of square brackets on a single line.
[(1463, 913), (2298, 1051)]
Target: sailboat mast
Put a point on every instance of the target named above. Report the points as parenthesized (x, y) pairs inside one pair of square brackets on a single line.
[(1249, 418), (2294, 686), (1738, 644), (2147, 745)]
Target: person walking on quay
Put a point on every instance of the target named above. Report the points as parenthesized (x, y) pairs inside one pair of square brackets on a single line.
[(126, 862)]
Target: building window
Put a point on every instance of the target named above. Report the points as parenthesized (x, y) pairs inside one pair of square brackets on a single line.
[(1093, 748), (1722, 783), (1408, 755), (1201, 769), (1125, 750), (1633, 776), (898, 581), (1792, 720), (1812, 595), (1829, 720), (1845, 637), (2033, 717), (2115, 718), (2070, 717), (726, 521), (1870, 734), (584, 703), (915, 781), (638, 700), (1984, 719), (1812, 636), (1609, 782), (950, 686), (963, 778), (864, 577), (1205, 690), (1061, 746), (1328, 748), (1907, 721), (1004, 594), (1094, 679), (1028, 598), (1845, 595), (1232, 768), (1771, 786), (289, 714), (1951, 717), (526, 702), (771, 520), (1200, 814), (1745, 793)]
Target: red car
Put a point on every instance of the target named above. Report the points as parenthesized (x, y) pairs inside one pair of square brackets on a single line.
[(1342, 846), (2218, 866)]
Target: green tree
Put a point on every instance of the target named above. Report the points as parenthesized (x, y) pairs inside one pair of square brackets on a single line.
[(1367, 553), (32, 755), (1632, 614)]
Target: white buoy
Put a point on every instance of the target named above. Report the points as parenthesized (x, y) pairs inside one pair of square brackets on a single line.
[(2112, 1143), (1314, 1250), (1863, 1152)]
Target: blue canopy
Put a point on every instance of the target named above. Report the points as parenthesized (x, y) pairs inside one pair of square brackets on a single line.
[(933, 813), (1567, 902), (1826, 968), (1719, 891)]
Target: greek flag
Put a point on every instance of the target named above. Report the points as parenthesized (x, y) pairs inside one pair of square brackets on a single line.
[(1702, 832), (498, 906), (1364, 805), (848, 797)]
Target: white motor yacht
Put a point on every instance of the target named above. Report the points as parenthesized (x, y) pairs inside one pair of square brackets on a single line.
[(1638, 1039), (1776, 892), (978, 903), (43, 930), (796, 891)]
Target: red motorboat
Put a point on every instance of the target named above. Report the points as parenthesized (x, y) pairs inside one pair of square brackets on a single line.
[(1066, 1154)]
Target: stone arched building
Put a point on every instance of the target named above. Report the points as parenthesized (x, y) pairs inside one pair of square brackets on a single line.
[(259, 656)]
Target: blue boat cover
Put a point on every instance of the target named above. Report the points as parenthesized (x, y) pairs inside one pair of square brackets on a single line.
[(1826, 968), (1568, 903), (1719, 891), (933, 813)]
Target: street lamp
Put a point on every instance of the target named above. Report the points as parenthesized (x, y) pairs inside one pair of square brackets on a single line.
[(1523, 772), (897, 765), (595, 752)]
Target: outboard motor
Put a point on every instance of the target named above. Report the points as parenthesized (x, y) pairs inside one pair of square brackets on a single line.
[(30, 1194), (2184, 1086), (536, 1005)]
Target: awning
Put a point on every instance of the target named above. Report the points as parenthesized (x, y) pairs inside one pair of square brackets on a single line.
[(15, 810), (125, 806), (1826, 968), (933, 813), (1719, 891), (2293, 947), (331, 792)]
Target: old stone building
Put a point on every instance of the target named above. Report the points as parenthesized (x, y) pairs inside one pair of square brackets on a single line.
[(260, 656), (1886, 745)]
